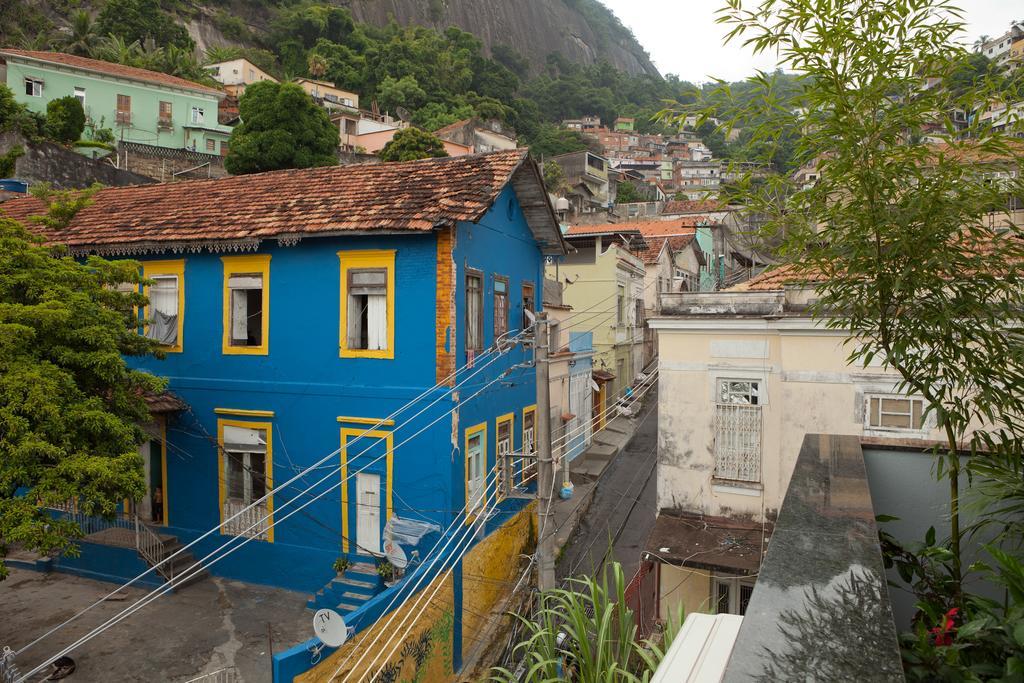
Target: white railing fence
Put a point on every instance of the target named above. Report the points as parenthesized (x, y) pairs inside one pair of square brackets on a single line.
[(738, 442), (149, 544), (249, 522), (226, 675)]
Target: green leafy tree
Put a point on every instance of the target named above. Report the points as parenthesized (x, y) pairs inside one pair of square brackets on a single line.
[(550, 140), (281, 128), (626, 193), (137, 20), (903, 241), (554, 178), (402, 92), (70, 408), (65, 119), (15, 116), (410, 144)]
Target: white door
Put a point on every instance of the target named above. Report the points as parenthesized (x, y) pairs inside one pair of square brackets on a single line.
[(368, 528)]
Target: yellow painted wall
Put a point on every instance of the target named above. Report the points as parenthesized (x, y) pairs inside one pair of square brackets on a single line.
[(689, 589), (489, 571), (429, 641)]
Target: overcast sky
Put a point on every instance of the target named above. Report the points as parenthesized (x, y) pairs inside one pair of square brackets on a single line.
[(682, 37)]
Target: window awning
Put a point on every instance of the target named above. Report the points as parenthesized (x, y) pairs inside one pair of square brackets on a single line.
[(705, 542), (603, 376)]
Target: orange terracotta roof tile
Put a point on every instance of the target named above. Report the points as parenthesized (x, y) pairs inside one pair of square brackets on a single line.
[(110, 69), (776, 279), (692, 206), (409, 196)]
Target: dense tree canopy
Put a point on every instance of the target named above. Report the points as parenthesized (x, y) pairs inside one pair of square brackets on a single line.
[(281, 128), (141, 20), (70, 408), (65, 119), (410, 144)]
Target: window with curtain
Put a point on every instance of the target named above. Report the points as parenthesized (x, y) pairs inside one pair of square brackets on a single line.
[(163, 310), (124, 109), (367, 309), (474, 311), (528, 295)]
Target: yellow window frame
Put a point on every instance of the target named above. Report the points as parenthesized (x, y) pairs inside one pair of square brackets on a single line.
[(528, 410), (222, 484), (176, 267), (389, 443), (247, 264), (510, 473), (480, 429), (368, 258)]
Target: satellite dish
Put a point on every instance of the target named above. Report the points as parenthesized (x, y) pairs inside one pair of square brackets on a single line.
[(329, 627), (403, 113), (396, 556)]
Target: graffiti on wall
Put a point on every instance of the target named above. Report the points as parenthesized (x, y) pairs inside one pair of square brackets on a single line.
[(424, 657)]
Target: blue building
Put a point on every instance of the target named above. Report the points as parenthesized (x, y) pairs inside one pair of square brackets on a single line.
[(300, 311)]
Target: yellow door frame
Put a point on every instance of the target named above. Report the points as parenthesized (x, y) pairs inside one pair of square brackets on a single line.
[(388, 438)]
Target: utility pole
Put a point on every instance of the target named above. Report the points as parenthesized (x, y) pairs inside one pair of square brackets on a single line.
[(545, 462)]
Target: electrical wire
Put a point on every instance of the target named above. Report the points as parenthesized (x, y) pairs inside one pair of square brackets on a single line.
[(199, 565)]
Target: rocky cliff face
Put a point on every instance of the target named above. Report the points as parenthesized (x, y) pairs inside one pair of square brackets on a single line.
[(534, 28)]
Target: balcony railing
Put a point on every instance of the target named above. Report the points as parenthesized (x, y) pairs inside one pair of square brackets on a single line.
[(251, 522)]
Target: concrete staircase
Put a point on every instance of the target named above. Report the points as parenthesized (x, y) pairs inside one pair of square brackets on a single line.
[(168, 545), (347, 592)]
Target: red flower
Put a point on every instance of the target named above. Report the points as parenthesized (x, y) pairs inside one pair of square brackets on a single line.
[(943, 635)]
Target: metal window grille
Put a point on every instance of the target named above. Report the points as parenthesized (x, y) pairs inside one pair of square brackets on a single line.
[(738, 442)]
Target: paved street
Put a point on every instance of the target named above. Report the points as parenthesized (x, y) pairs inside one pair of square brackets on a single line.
[(205, 627), (624, 506)]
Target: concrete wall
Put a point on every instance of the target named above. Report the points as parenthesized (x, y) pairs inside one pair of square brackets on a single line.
[(63, 168), (807, 387), (168, 165)]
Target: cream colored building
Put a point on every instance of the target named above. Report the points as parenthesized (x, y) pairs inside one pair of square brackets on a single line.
[(604, 283), (236, 74), (327, 95), (744, 375)]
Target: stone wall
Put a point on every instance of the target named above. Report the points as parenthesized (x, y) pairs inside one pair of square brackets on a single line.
[(168, 165), (63, 168)]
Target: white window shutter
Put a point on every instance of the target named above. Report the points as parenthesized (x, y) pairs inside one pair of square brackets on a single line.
[(239, 315), (377, 321)]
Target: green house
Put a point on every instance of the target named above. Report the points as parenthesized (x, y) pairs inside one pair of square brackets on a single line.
[(138, 105)]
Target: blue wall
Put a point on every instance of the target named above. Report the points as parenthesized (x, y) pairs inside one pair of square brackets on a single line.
[(307, 386)]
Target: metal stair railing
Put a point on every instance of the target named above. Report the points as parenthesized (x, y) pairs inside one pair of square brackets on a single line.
[(151, 547)]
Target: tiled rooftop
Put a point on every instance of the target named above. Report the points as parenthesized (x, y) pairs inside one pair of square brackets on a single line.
[(109, 68), (410, 196)]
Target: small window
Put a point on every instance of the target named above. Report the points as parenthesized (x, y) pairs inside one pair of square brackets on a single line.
[(252, 75), (743, 392), (732, 595), (198, 115), (246, 309), (500, 306), (891, 412), (211, 145), (529, 463), (80, 94), (528, 304), (246, 304), (367, 294), (223, 148), (165, 114), (503, 455), (367, 308), (124, 109), (163, 310), (33, 87), (474, 311)]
